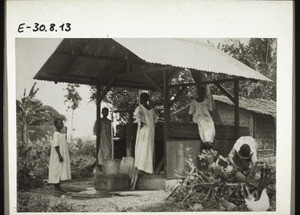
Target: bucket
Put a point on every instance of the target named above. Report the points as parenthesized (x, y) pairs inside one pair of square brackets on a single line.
[(127, 166), (111, 166)]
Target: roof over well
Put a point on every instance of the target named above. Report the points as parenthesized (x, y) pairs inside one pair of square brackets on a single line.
[(125, 62)]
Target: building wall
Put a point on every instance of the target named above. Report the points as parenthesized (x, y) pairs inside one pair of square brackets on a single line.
[(226, 116), (265, 134), (261, 127)]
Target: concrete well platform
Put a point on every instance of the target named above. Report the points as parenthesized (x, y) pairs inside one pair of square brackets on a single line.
[(154, 182), (111, 182)]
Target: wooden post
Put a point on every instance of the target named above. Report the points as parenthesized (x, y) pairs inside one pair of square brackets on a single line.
[(98, 123), (236, 109), (166, 117), (129, 148)]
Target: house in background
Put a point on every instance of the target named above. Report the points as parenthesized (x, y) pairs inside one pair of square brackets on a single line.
[(258, 115)]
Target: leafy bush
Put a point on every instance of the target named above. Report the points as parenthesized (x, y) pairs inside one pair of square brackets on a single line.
[(27, 203), (82, 155), (81, 147), (82, 166), (32, 176)]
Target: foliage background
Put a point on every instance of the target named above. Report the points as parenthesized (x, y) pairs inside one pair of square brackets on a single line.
[(34, 134)]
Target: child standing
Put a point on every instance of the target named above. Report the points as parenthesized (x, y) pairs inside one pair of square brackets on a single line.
[(59, 168)]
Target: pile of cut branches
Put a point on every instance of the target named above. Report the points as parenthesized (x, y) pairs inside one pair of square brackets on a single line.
[(212, 181)]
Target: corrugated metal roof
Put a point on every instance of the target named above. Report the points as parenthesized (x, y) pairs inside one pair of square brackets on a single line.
[(189, 54), (261, 106), (92, 61)]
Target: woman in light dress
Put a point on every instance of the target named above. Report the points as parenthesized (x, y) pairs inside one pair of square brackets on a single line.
[(144, 146), (59, 167), (200, 113)]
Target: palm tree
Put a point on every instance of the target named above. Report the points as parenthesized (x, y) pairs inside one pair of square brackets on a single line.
[(31, 111), (73, 98)]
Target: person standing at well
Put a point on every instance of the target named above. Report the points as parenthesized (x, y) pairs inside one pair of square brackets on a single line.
[(106, 138), (59, 167), (144, 146)]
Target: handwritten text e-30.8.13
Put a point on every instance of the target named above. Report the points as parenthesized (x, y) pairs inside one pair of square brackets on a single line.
[(37, 27)]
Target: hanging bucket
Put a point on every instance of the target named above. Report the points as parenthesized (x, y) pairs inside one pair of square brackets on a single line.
[(127, 166)]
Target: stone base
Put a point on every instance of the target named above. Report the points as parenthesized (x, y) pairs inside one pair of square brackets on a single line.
[(170, 184), (112, 182), (90, 193), (151, 182)]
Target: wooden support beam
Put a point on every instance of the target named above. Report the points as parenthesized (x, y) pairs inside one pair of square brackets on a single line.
[(139, 72), (160, 165), (166, 107), (132, 85), (153, 83), (166, 116), (225, 92), (129, 145), (208, 82), (236, 109), (98, 122)]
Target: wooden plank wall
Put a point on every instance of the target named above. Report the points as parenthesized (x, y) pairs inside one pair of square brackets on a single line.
[(177, 152)]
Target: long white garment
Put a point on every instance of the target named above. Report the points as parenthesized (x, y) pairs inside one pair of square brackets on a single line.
[(59, 171), (144, 145), (106, 138), (201, 116)]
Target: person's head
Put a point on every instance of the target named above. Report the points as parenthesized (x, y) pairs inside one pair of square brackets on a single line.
[(244, 151), (144, 98), (58, 123), (105, 112), (201, 92)]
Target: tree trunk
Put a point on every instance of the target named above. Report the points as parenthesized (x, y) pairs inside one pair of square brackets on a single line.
[(267, 51), (26, 146), (71, 134)]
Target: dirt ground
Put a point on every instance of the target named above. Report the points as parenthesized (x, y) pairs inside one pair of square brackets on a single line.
[(132, 201), (137, 201)]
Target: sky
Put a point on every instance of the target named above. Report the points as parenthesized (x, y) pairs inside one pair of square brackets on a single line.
[(31, 54)]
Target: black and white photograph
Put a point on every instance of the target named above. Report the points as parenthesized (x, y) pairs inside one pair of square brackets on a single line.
[(146, 123)]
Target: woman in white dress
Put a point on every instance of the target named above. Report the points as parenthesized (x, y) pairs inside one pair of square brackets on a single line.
[(200, 113), (59, 167), (144, 146)]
